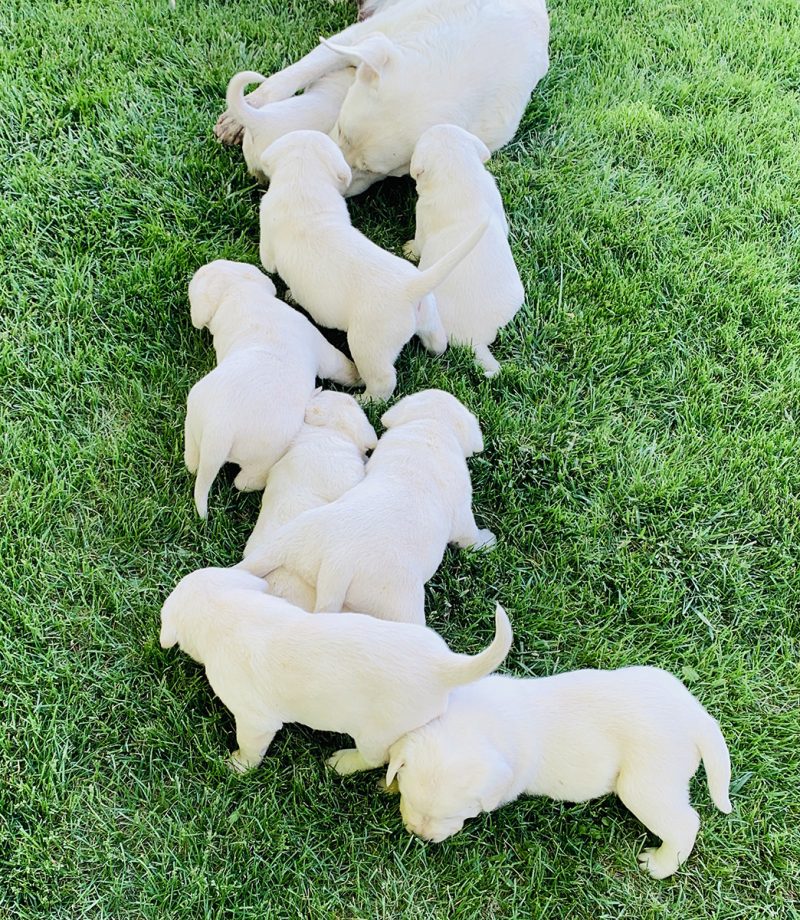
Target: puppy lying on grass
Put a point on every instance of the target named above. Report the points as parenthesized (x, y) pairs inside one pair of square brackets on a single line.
[(324, 461), (420, 63), (484, 292), (248, 409), (374, 549), (315, 110), (339, 276), (271, 663), (637, 732)]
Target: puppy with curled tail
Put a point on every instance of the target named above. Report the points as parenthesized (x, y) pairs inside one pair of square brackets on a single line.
[(636, 731), (271, 663), (338, 275)]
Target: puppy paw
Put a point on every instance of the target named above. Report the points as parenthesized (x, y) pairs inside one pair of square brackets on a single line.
[(227, 130), (658, 863), (239, 764), (249, 482), (393, 789), (410, 250), (486, 540), (289, 297), (346, 762)]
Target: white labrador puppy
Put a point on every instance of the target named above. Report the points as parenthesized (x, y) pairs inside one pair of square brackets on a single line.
[(376, 547), (339, 276), (472, 63), (637, 732), (324, 461), (455, 191), (271, 663), (250, 407), (315, 109)]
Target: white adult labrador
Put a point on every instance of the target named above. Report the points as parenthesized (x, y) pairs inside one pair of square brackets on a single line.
[(248, 409), (374, 549), (338, 275), (324, 461), (315, 110), (472, 63), (454, 192), (271, 663), (637, 732)]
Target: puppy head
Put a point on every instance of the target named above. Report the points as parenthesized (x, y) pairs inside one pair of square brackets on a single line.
[(194, 595), (211, 283), (444, 780), (443, 145), (442, 407), (340, 412), (307, 150)]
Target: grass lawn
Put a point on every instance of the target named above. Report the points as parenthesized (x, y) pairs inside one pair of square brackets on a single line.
[(641, 466)]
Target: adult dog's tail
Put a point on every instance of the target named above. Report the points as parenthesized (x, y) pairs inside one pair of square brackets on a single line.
[(238, 106)]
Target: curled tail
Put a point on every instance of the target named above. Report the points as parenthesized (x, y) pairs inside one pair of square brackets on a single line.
[(467, 668), (215, 448), (716, 758), (244, 113), (433, 276)]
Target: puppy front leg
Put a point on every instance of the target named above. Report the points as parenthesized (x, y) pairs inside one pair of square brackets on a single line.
[(466, 532), (367, 756), (253, 740)]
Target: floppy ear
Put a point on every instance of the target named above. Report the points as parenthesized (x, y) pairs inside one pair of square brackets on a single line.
[(370, 56), (396, 763), (483, 151), (169, 635), (417, 165), (399, 414), (340, 171), (495, 789), (469, 433), (205, 293)]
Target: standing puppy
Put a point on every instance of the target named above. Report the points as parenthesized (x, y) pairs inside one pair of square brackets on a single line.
[(271, 663), (248, 409), (637, 732), (339, 276), (325, 460), (374, 549), (315, 110), (484, 292)]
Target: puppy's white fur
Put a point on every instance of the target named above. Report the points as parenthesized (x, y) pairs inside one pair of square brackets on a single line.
[(420, 63), (315, 109), (455, 191), (324, 461), (374, 548), (248, 409), (271, 663), (339, 276), (637, 732)]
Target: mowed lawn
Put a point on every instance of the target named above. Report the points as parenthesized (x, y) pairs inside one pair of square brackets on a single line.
[(641, 468)]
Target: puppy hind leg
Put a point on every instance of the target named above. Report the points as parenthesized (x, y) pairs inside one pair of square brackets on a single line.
[(251, 479), (333, 365), (486, 360), (430, 330), (466, 532), (661, 803), (253, 738)]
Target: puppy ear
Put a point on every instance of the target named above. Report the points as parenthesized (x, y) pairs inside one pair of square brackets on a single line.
[(205, 294), (417, 166), (370, 56), (399, 414), (483, 151), (494, 792), (396, 763), (169, 635)]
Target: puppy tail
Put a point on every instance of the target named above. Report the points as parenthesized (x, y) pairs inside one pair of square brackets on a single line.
[(332, 585), (427, 280), (468, 668), (215, 448), (716, 758), (241, 110)]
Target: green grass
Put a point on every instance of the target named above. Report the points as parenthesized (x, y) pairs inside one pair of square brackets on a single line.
[(641, 466)]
